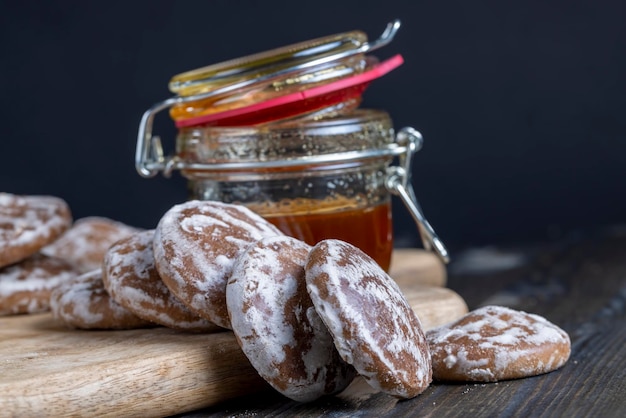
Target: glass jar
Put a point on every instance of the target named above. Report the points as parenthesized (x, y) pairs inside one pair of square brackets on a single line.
[(283, 172), (281, 133)]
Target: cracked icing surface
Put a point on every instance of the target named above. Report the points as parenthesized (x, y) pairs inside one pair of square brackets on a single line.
[(28, 223), (373, 326), (87, 241), (195, 247), (496, 343), (84, 303), (25, 287), (276, 324), (131, 278)]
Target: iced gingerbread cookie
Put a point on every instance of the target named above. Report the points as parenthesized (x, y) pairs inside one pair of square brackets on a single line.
[(131, 278), (28, 223), (196, 244), (497, 343), (276, 325), (87, 241), (25, 287), (373, 326), (84, 303)]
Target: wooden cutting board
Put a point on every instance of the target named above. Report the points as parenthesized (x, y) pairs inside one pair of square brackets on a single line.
[(48, 370)]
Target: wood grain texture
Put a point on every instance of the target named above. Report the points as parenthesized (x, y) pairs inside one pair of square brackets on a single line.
[(50, 371), (47, 370), (416, 266)]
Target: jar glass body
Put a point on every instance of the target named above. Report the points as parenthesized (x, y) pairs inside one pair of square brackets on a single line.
[(291, 184)]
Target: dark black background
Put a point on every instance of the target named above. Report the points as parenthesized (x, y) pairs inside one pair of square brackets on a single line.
[(521, 104)]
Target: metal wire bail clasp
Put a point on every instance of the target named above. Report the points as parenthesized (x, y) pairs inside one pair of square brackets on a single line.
[(398, 183)]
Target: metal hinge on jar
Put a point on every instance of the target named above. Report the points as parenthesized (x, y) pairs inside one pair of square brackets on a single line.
[(398, 183)]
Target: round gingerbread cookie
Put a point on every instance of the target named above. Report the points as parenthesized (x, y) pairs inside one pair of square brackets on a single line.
[(195, 247), (277, 326), (497, 343), (25, 287), (373, 325), (87, 241), (28, 223), (84, 303), (131, 278)]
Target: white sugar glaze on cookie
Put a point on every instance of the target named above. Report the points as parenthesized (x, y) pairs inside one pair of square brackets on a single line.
[(496, 343), (25, 287), (28, 223), (373, 326), (276, 324), (84, 303), (196, 244), (87, 241), (131, 278)]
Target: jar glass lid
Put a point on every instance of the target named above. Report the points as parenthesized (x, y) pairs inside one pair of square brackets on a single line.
[(289, 57), (268, 80)]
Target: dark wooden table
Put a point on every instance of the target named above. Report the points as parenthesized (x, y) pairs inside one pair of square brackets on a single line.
[(579, 283)]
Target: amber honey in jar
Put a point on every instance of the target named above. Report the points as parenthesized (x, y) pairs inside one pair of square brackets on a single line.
[(369, 228)]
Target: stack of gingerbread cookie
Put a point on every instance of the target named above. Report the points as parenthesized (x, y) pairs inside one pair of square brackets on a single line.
[(309, 318)]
